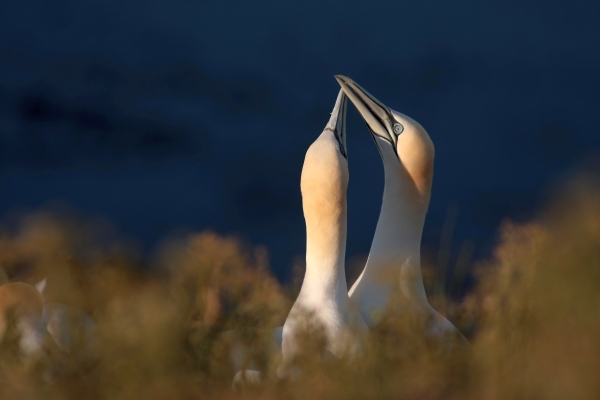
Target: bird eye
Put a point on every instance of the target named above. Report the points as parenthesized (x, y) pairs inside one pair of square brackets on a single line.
[(398, 129)]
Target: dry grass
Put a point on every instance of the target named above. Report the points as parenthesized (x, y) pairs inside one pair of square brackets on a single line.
[(181, 326)]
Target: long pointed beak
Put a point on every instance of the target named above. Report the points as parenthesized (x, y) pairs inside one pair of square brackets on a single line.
[(378, 117), (337, 122)]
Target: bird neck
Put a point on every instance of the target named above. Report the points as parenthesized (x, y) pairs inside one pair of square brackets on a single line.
[(396, 246), (325, 255)]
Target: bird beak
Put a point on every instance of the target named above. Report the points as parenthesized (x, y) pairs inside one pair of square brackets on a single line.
[(337, 122), (378, 117)]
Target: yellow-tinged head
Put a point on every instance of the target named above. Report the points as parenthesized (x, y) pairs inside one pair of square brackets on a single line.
[(401, 141)]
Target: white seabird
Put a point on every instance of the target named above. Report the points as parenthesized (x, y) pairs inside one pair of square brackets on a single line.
[(394, 260), (324, 293), (24, 304), (69, 325)]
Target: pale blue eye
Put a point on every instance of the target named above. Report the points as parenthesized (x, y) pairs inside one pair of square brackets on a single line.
[(398, 129)]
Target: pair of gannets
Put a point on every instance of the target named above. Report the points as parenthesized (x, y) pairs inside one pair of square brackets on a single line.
[(394, 262)]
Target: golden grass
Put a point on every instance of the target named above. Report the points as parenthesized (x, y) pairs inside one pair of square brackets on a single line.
[(182, 325)]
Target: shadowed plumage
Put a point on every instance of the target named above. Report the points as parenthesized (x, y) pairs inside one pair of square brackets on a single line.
[(24, 304), (394, 261), (323, 297)]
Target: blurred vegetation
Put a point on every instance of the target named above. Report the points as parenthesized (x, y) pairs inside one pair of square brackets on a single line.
[(205, 306)]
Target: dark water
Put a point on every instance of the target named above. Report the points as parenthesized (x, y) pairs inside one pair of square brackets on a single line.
[(164, 115)]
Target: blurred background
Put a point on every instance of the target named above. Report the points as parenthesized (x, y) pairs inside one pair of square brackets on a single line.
[(174, 116)]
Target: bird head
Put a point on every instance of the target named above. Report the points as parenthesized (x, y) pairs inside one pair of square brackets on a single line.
[(325, 175), (402, 142)]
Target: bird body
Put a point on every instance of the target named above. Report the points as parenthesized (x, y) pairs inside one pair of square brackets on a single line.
[(25, 304), (68, 325), (63, 292)]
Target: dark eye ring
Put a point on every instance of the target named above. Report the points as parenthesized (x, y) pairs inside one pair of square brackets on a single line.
[(398, 129)]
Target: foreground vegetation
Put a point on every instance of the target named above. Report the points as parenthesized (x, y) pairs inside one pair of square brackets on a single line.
[(206, 306)]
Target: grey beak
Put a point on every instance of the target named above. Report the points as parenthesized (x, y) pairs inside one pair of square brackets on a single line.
[(378, 117), (337, 122)]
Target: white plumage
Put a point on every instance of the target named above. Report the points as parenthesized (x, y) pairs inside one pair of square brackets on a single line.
[(323, 297), (394, 261)]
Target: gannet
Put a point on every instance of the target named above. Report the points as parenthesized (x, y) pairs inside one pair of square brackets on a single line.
[(324, 293), (25, 304), (69, 325), (407, 153)]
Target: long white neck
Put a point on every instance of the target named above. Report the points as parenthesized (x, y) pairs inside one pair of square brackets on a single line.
[(325, 256), (324, 182), (396, 246)]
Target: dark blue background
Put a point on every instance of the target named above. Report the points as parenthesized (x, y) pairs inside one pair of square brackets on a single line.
[(192, 114)]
